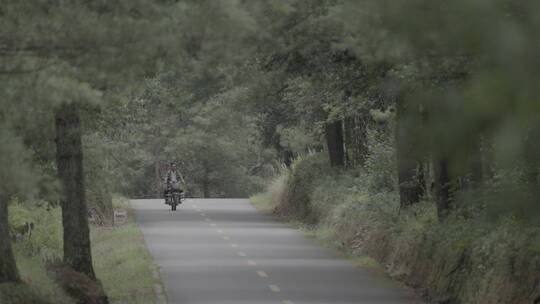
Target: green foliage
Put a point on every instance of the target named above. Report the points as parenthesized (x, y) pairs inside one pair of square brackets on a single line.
[(122, 261), (271, 198), (98, 179), (46, 240), (16, 177), (38, 283), (72, 52), (470, 259), (215, 144), (296, 139), (471, 79), (305, 172), (231, 89), (380, 163), (12, 293)]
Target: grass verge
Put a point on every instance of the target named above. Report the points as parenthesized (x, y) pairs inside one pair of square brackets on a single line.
[(121, 259), (466, 258), (265, 204)]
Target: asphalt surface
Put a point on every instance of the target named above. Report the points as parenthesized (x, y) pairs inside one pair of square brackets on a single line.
[(225, 251)]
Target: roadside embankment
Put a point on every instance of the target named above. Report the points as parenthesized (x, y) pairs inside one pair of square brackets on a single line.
[(121, 260), (463, 259)]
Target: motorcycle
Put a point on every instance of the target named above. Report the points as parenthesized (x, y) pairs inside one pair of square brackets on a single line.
[(174, 196)]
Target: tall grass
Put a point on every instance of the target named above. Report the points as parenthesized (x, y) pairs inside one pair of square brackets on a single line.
[(33, 253), (464, 259), (121, 259)]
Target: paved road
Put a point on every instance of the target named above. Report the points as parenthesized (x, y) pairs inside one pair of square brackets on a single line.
[(225, 251)]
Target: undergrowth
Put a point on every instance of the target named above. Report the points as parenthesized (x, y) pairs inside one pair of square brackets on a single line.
[(121, 260), (463, 259)]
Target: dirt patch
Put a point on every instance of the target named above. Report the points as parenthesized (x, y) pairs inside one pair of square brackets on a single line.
[(78, 285)]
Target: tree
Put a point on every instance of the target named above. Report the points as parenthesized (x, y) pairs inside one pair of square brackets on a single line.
[(334, 140), (77, 252), (463, 78), (323, 89), (8, 269), (95, 55), (16, 178), (409, 159)]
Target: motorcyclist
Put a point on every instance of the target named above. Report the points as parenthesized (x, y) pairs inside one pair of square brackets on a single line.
[(173, 180)]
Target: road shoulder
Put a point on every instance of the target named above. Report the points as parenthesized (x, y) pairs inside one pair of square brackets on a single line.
[(123, 262)]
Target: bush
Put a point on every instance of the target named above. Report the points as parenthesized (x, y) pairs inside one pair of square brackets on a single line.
[(121, 260), (98, 180), (468, 258), (11, 293), (381, 163), (304, 175), (46, 239), (33, 253)]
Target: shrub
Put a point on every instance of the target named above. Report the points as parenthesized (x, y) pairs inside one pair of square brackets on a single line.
[(471, 257), (380, 167), (46, 239), (11, 293), (304, 175)]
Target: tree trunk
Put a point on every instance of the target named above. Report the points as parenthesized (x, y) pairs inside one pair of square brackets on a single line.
[(442, 187), (487, 158), (206, 189), (287, 157), (474, 171), (77, 253), (356, 140), (410, 180), (206, 180), (532, 156), (334, 140), (8, 268), (348, 134), (157, 167), (361, 136), (477, 169), (410, 170)]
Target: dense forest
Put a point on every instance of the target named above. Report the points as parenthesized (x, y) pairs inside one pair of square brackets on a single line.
[(418, 114)]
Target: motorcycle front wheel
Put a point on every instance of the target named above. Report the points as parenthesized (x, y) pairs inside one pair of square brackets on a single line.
[(174, 202)]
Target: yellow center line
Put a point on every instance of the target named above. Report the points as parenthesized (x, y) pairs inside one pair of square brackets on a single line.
[(274, 288), (288, 302), (252, 262), (242, 254), (226, 238), (234, 245), (219, 231), (213, 225), (262, 274)]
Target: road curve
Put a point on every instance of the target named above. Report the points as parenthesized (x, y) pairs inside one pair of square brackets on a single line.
[(225, 251)]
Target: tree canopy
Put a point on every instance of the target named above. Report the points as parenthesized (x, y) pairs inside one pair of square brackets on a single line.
[(235, 90)]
